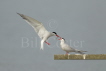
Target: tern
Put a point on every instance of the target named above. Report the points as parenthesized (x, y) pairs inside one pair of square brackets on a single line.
[(67, 48), (39, 29)]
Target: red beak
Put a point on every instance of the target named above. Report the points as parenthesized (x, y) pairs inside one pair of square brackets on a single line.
[(60, 39), (57, 36)]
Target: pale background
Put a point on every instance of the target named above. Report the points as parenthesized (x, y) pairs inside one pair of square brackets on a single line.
[(75, 20)]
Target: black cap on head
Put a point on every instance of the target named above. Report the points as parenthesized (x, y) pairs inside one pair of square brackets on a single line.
[(63, 38), (54, 33)]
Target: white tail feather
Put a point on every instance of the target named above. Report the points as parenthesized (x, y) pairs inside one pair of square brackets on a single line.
[(42, 42)]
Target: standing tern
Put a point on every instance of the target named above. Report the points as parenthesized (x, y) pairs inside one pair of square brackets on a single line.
[(39, 29), (67, 48)]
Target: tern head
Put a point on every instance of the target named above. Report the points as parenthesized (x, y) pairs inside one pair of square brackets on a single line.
[(55, 34), (62, 39)]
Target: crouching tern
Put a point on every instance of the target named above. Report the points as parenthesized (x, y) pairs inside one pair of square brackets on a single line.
[(67, 48), (39, 29)]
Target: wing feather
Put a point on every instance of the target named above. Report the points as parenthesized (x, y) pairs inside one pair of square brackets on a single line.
[(34, 23)]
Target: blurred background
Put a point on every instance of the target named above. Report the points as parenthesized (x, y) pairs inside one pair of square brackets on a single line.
[(80, 22)]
